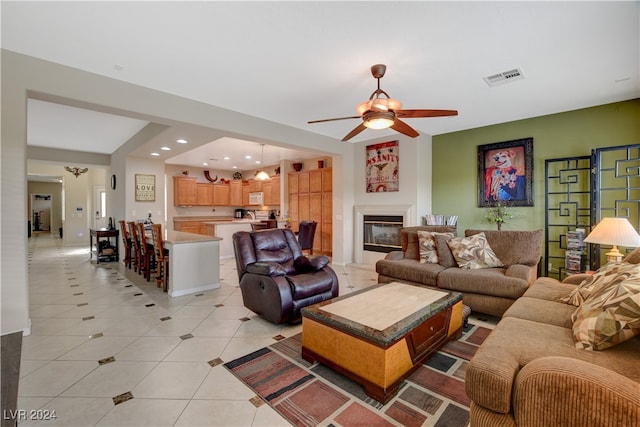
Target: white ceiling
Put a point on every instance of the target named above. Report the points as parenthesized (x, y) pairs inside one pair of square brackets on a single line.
[(291, 62)]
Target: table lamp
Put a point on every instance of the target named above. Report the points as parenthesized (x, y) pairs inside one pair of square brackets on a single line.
[(614, 231)]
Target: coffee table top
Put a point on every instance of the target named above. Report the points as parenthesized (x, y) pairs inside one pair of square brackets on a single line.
[(382, 313)]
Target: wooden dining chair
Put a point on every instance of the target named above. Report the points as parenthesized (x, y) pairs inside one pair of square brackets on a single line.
[(162, 257), (135, 244), (146, 252), (126, 241), (306, 235)]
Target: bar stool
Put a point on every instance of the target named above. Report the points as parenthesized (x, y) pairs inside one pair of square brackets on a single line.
[(135, 244), (146, 252), (162, 257), (306, 235), (126, 241)]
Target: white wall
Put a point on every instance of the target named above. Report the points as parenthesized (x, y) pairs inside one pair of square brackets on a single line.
[(415, 178)]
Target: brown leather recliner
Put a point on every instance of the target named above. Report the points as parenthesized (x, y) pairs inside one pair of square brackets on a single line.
[(276, 280)]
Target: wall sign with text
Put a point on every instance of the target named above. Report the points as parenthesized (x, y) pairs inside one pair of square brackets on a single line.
[(382, 167), (145, 188)]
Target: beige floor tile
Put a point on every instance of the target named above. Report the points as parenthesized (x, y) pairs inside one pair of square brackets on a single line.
[(54, 378), (222, 384), (149, 349), (217, 413), (144, 412), (98, 348), (173, 328), (36, 347), (198, 349), (111, 379), (214, 327), (268, 417), (172, 380), (73, 412)]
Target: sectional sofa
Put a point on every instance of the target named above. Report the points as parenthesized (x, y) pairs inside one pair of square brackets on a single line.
[(530, 371), (486, 290)]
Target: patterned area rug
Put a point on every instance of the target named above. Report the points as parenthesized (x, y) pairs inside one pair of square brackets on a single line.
[(312, 394)]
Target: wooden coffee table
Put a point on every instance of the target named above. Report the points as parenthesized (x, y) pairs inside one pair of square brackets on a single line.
[(379, 335)]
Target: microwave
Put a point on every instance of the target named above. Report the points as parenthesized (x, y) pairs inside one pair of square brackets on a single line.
[(256, 198)]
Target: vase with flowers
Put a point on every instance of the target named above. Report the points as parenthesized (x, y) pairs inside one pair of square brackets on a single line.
[(498, 213)]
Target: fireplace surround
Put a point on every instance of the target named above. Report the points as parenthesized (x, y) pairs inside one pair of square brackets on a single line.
[(403, 216)]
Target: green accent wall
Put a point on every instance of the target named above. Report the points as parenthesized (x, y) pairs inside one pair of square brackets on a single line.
[(573, 133)]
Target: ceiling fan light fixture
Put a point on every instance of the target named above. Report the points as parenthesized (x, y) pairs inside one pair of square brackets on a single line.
[(379, 119)]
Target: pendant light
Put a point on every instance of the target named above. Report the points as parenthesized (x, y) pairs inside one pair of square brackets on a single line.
[(262, 175)]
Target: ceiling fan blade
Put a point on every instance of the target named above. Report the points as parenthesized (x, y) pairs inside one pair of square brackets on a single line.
[(331, 120), (402, 127), (354, 132), (425, 113)]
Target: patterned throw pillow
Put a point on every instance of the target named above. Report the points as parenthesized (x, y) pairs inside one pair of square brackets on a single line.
[(607, 275), (427, 244), (609, 316), (473, 252)]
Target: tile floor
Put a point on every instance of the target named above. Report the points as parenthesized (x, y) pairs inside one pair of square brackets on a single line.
[(108, 348)]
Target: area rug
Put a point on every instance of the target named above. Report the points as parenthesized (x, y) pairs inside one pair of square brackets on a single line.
[(311, 394)]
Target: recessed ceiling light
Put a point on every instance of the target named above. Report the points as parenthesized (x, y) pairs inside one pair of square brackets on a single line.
[(257, 162), (181, 141), (234, 167), (226, 157), (247, 157), (155, 154), (205, 164), (165, 148)]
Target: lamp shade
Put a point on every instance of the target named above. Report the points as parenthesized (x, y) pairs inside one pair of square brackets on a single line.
[(614, 231)]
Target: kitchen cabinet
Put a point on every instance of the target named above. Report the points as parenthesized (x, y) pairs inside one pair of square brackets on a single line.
[(185, 191), (187, 226), (311, 198), (235, 193), (205, 194), (221, 194), (275, 190), (266, 190), (245, 194)]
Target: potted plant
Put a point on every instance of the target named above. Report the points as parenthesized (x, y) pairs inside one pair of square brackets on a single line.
[(499, 213)]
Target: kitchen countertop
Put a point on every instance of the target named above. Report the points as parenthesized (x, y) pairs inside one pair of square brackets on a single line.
[(177, 237)]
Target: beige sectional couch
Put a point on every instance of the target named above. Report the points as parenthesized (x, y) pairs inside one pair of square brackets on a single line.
[(488, 290), (528, 372)]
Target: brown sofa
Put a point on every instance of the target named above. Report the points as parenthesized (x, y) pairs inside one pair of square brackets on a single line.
[(528, 372), (488, 290)]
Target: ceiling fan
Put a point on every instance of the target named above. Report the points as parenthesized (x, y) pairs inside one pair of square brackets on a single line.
[(384, 112)]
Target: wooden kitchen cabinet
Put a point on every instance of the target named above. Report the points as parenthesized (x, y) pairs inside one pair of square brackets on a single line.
[(205, 194), (187, 226), (221, 193), (315, 181), (245, 194), (235, 193), (266, 190), (311, 198), (185, 191), (275, 190)]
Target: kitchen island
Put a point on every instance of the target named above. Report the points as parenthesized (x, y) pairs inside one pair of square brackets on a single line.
[(194, 262), (225, 230)]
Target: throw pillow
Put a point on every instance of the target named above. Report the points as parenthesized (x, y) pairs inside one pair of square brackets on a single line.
[(427, 244), (610, 316), (607, 275), (473, 252), (445, 257)]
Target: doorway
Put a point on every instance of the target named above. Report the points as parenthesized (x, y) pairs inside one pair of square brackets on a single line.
[(41, 212)]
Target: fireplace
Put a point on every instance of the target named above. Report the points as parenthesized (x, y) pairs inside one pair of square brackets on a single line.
[(382, 233)]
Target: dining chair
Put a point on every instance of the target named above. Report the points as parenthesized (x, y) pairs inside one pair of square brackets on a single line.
[(162, 257), (306, 235), (146, 252), (126, 241), (256, 226), (135, 246)]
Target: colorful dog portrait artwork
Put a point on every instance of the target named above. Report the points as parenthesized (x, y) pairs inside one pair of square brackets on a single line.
[(382, 167), (504, 178), (505, 173)]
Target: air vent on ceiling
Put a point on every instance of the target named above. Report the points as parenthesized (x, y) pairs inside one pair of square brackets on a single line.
[(504, 77)]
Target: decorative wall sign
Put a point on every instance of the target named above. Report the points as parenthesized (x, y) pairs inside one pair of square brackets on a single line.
[(505, 173), (145, 188), (382, 167)]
